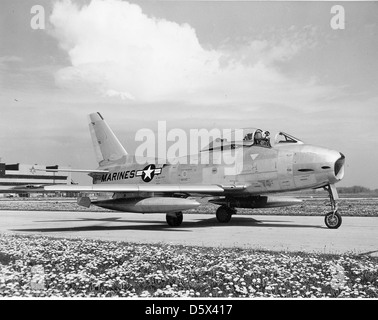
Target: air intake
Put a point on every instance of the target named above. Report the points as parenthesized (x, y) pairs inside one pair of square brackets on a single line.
[(339, 167)]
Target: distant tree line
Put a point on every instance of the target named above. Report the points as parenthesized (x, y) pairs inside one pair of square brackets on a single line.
[(356, 189)]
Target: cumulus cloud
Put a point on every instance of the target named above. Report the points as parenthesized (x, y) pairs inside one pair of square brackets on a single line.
[(278, 46), (119, 51)]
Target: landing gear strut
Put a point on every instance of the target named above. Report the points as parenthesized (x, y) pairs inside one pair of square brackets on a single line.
[(174, 219), (224, 214), (332, 219)]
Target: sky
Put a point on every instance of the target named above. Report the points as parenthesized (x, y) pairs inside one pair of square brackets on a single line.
[(278, 66)]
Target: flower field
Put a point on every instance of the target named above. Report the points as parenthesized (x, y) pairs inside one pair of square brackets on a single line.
[(36, 266)]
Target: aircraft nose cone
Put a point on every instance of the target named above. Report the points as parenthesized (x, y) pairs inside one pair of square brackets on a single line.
[(339, 167)]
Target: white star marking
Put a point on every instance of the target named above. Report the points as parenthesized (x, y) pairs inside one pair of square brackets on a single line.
[(148, 172)]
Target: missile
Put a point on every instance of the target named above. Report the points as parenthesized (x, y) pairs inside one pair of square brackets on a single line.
[(144, 205)]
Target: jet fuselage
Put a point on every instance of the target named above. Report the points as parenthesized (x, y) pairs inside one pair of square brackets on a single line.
[(284, 167)]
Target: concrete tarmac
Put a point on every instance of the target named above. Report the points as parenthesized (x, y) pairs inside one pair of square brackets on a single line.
[(357, 235)]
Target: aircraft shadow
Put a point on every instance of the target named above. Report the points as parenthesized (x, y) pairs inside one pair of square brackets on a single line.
[(110, 219), (161, 225), (368, 253)]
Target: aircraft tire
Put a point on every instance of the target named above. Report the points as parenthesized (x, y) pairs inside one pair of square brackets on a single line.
[(224, 214), (333, 221), (175, 219)]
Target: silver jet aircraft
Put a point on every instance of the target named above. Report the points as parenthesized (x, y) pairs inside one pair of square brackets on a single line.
[(264, 168)]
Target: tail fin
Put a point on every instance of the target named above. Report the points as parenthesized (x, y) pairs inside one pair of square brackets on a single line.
[(107, 147)]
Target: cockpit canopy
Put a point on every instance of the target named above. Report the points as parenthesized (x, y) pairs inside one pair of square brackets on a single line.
[(248, 137), (262, 137), (282, 137)]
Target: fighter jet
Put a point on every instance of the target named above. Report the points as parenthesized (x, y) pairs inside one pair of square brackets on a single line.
[(262, 169)]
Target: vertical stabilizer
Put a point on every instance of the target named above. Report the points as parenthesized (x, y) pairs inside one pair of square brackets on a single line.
[(107, 147)]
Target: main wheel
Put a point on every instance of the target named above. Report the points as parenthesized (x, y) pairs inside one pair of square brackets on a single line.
[(174, 219), (224, 214), (333, 220)]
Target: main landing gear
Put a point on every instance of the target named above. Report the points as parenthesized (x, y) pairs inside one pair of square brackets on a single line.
[(174, 219), (224, 214), (332, 219)]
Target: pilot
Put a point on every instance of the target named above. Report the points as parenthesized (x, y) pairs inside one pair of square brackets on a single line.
[(248, 137), (265, 140), (258, 137)]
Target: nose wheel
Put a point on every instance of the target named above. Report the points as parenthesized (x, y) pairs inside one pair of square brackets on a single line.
[(332, 219)]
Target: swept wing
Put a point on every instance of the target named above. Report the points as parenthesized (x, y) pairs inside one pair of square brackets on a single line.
[(159, 188)]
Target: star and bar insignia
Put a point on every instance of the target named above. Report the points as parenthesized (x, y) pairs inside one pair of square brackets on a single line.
[(148, 172)]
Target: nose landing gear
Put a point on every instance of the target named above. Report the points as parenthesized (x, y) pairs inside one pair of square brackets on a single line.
[(332, 219)]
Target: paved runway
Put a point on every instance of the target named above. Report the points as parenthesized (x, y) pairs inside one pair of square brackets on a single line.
[(358, 235)]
